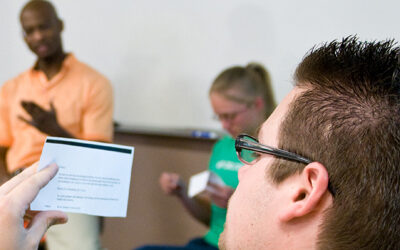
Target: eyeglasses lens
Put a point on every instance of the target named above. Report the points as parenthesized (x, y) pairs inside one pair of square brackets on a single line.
[(246, 155)]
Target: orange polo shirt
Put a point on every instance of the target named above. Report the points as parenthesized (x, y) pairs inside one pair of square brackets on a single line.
[(82, 98)]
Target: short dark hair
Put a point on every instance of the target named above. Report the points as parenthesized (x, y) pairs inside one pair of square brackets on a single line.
[(348, 119)]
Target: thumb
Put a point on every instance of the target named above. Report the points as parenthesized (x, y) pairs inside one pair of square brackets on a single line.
[(42, 221), (26, 121)]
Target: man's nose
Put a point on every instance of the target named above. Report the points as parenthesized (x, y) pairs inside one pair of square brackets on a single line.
[(37, 35)]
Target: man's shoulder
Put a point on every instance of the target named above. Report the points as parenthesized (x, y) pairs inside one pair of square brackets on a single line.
[(86, 71), (16, 81)]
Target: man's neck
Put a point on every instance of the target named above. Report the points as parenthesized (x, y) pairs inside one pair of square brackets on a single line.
[(51, 65)]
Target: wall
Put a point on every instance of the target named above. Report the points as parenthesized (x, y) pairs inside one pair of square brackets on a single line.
[(162, 55)]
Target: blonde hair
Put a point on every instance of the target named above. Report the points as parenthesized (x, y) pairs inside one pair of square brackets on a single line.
[(252, 81)]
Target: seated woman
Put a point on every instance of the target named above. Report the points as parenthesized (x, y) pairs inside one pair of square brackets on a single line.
[(242, 99)]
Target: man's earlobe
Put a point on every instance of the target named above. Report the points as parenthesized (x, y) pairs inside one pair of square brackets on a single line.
[(307, 192)]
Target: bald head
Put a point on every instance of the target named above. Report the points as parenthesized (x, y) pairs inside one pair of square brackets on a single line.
[(41, 6)]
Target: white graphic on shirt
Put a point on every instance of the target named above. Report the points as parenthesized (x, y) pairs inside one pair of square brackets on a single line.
[(228, 165)]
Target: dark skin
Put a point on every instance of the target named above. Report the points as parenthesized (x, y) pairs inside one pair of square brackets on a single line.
[(44, 120), (42, 33), (3, 167)]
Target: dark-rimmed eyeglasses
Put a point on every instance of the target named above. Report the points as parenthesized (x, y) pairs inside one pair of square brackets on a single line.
[(249, 151)]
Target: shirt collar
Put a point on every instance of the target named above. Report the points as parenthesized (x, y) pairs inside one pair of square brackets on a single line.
[(41, 77)]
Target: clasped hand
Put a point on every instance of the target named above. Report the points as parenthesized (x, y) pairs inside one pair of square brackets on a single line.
[(220, 195), (172, 184), (45, 121)]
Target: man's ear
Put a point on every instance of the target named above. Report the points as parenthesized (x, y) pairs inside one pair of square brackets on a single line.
[(307, 192), (60, 25)]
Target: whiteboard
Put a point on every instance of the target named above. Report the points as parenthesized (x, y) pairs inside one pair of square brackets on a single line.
[(162, 55)]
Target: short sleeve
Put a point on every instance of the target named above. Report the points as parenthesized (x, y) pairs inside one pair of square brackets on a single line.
[(6, 138), (98, 112)]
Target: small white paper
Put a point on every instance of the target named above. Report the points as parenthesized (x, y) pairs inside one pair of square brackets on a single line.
[(93, 177), (200, 182)]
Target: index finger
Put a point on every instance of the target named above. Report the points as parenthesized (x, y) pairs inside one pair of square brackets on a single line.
[(27, 190), (32, 107), (214, 185), (13, 182)]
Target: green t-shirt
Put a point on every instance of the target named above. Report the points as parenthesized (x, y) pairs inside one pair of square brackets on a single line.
[(224, 163)]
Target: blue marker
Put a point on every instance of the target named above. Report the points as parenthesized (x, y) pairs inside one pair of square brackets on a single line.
[(204, 134)]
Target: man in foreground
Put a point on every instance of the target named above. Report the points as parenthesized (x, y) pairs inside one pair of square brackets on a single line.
[(336, 184)]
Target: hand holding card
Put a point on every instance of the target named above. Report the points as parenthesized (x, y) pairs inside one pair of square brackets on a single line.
[(204, 181), (93, 177)]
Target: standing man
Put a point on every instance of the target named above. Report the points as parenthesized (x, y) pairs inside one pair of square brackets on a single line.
[(334, 183), (58, 96)]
